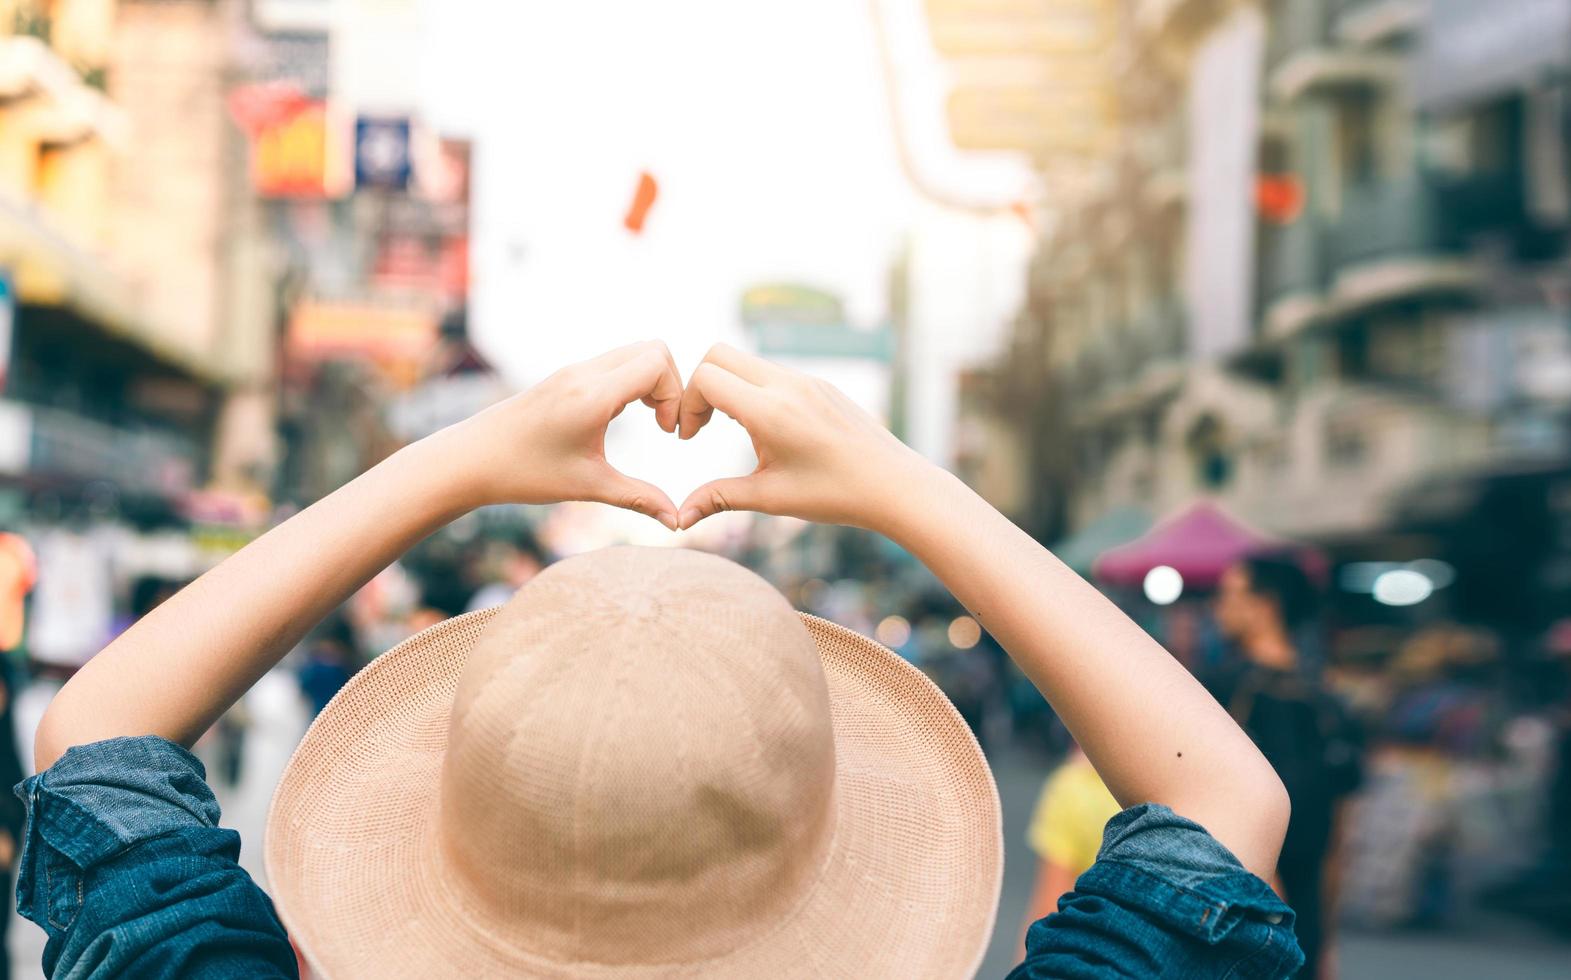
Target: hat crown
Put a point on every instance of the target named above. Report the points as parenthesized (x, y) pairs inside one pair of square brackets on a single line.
[(640, 760)]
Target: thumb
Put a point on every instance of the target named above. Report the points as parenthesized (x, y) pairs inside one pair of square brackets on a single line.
[(735, 493), (620, 490)]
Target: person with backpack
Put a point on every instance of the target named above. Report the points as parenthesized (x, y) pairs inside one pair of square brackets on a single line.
[(645, 763), (1300, 726)]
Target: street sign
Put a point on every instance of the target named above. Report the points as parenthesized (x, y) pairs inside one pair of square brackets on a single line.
[(791, 303), (838, 342), (790, 320)]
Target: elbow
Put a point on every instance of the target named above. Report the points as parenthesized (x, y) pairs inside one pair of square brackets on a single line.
[(1276, 811), (1272, 808), (49, 741)]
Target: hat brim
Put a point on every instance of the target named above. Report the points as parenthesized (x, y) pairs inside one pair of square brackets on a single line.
[(910, 888)]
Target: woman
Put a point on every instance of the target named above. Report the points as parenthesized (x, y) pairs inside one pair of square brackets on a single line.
[(644, 764)]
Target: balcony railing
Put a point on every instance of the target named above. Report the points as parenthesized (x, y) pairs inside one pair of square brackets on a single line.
[(1162, 332), (67, 446), (1292, 260), (1391, 219), (1296, 26)]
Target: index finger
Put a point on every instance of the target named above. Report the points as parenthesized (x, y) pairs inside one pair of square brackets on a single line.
[(748, 367), (712, 387), (650, 377)]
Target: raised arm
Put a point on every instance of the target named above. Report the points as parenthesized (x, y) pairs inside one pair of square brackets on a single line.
[(1151, 730), (179, 668)]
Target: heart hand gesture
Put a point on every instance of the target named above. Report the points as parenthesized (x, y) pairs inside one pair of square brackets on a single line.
[(820, 457), (548, 443)]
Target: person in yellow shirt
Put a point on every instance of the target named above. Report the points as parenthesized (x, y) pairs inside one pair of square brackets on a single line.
[(1066, 830)]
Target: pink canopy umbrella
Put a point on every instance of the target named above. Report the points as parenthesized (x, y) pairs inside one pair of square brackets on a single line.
[(1201, 542)]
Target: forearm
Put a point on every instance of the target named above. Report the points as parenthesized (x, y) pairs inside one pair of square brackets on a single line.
[(1151, 730), (175, 671)]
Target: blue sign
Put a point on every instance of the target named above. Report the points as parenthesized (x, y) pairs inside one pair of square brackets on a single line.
[(382, 158)]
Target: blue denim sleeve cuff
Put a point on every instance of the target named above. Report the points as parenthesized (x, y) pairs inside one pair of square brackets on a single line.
[(1170, 870), (101, 798), (98, 800)]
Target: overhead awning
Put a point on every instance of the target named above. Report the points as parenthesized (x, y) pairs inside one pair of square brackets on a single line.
[(1201, 542), (1118, 526), (47, 269)]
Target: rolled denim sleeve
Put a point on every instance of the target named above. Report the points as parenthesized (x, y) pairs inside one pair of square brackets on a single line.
[(125, 868), (1164, 898)]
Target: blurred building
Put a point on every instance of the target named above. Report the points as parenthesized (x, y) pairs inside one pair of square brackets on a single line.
[(1320, 273), (369, 209), (136, 361)]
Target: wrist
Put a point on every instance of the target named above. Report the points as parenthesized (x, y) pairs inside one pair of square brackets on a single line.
[(440, 475), (923, 490)]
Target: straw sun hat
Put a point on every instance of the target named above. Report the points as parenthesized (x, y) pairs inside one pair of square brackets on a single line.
[(644, 765)]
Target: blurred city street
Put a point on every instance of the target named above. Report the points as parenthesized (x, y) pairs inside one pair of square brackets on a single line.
[(1255, 313)]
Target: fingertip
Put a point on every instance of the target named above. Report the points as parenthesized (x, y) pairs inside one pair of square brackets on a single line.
[(689, 517)]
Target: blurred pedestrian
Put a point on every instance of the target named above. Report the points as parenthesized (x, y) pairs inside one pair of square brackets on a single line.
[(1301, 728), (1066, 831), (329, 661), (509, 565)]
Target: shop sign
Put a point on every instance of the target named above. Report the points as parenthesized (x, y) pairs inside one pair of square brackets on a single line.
[(393, 338), (290, 153)]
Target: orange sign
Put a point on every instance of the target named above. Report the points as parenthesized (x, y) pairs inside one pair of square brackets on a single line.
[(289, 156), (396, 339), (643, 199)]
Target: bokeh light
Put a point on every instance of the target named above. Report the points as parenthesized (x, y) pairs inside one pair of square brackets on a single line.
[(1163, 585), (964, 633), (1402, 587), (893, 631)]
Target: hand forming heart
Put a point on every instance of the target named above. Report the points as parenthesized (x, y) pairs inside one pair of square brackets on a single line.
[(820, 457)]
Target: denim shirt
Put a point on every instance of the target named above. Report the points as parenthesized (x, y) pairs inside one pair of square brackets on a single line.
[(1164, 899), (125, 867)]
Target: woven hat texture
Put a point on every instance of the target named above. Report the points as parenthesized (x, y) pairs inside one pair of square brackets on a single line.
[(646, 764)]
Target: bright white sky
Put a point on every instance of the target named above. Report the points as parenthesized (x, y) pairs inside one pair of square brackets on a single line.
[(767, 127)]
